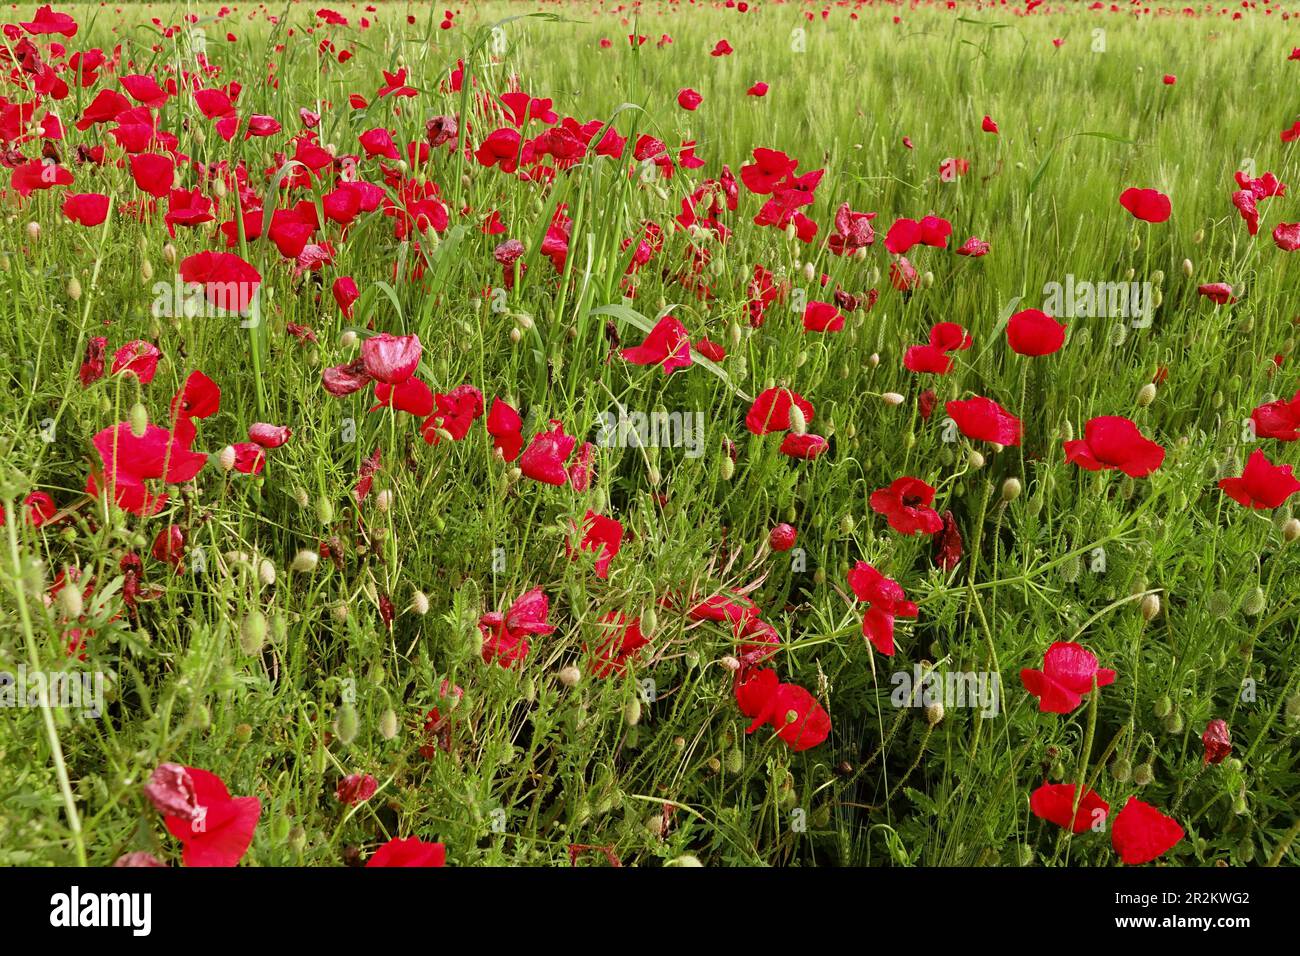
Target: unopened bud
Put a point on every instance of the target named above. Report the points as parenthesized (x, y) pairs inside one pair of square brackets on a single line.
[(305, 561), (1011, 489)]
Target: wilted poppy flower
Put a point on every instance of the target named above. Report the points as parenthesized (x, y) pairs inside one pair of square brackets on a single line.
[(1114, 442), (214, 828), (1141, 833), (782, 537), (984, 420), (1217, 741), (342, 380), (411, 851), (604, 537), (92, 365), (356, 789), (770, 411), (1068, 673), (505, 637), (1149, 205), (1262, 484), (345, 294), (906, 504), (852, 230), (1279, 419), (886, 601), (668, 344), (1033, 332), (973, 247), (455, 413), (792, 712), (1286, 235), (268, 436), (948, 548), (1054, 802)]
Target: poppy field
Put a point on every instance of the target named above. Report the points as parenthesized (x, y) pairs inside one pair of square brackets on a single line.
[(582, 433)]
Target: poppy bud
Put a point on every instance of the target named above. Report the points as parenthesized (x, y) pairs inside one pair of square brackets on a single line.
[(730, 663), (1150, 606), (686, 859), (347, 725), (649, 622), (1146, 395), (1291, 530), (226, 458), (74, 289), (33, 231), (139, 417), (252, 632), (727, 467), (632, 710), (324, 511), (1121, 770), (809, 273), (388, 724), (933, 713), (1163, 707), (384, 500), (305, 561), (846, 525), (819, 576), (266, 573), (70, 601), (515, 336), (1188, 268), (735, 761), (1254, 603), (927, 279), (1198, 236), (791, 231), (892, 399), (420, 603), (169, 253), (1143, 774), (798, 423), (300, 495), (1011, 489), (1173, 724), (873, 360), (570, 676)]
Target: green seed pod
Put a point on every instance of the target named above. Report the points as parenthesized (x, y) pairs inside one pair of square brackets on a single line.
[(252, 633), (734, 760), (1121, 769), (1255, 602), (1144, 774), (1163, 707)]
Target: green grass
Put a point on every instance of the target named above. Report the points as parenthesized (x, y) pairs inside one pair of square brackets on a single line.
[(564, 764)]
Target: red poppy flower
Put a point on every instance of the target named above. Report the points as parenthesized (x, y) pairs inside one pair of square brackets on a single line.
[(229, 283), (1054, 802), (984, 420), (86, 209), (47, 21), (1141, 833), (688, 99), (505, 636), (268, 436), (214, 828), (138, 358), (1149, 205), (345, 294), (409, 851), (758, 89), (791, 710), (782, 537), (413, 397), (92, 364), (1286, 235), (822, 317), (1220, 293), (506, 428), (543, 460), (1068, 673), (1033, 332), (906, 504), (1262, 485), (130, 461), (1113, 442), (988, 125), (906, 233), (886, 601), (604, 537), (948, 550), (721, 48), (710, 350), (391, 359), (770, 411), (613, 654), (667, 344), (1279, 419), (769, 169), (974, 247), (455, 413), (153, 173), (356, 788), (169, 546), (806, 446), (852, 230)]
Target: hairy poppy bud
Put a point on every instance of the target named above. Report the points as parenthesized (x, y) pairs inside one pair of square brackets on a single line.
[(226, 458), (347, 724), (1291, 530), (384, 500), (324, 511), (388, 724), (649, 622), (1254, 603), (1011, 489), (1163, 707), (70, 601), (1143, 774), (1146, 395), (266, 572), (570, 676), (252, 632), (934, 713), (33, 231), (139, 417), (632, 711), (727, 467), (798, 423), (420, 603), (74, 289), (892, 399), (1150, 606), (305, 561)]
